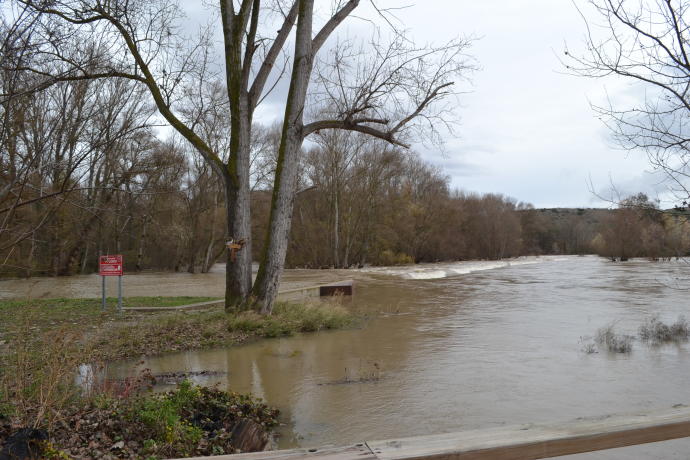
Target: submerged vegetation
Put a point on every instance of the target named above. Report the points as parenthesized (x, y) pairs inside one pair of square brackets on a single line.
[(608, 339), (371, 373), (653, 331)]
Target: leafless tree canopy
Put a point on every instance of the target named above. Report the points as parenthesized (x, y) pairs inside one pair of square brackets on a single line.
[(647, 43), (388, 88), (397, 93)]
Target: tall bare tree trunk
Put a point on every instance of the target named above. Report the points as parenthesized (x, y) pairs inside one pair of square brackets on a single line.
[(336, 229), (238, 276), (206, 264), (238, 266), (283, 199), (85, 258)]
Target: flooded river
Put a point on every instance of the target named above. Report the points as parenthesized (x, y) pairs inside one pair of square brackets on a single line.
[(452, 347), (144, 284)]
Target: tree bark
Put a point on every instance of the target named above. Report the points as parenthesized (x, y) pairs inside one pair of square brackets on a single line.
[(238, 275), (283, 199), (238, 266), (85, 258)]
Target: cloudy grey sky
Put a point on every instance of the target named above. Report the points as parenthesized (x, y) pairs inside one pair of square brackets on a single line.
[(527, 129)]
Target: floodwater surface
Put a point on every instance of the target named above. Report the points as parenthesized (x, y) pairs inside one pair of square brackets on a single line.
[(448, 348), (210, 284)]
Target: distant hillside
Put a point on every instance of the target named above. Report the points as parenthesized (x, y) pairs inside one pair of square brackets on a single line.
[(589, 215)]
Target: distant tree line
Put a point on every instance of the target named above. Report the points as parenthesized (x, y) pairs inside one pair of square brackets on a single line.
[(638, 228), (84, 172)]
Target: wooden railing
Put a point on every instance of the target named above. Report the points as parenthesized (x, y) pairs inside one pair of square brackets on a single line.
[(511, 443)]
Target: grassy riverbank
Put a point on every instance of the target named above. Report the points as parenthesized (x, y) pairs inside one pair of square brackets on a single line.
[(43, 342), (107, 336)]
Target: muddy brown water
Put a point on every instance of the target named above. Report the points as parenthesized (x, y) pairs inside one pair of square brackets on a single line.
[(452, 347)]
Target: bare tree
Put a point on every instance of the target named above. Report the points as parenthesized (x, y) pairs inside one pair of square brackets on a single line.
[(142, 41), (60, 147), (647, 43), (382, 99)]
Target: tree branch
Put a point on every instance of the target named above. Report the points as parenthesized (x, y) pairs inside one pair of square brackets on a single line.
[(332, 24), (348, 125), (273, 52)]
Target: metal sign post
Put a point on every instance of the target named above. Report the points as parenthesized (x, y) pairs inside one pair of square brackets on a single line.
[(111, 265)]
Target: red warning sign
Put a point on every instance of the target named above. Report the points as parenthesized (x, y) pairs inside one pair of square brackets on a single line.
[(110, 265)]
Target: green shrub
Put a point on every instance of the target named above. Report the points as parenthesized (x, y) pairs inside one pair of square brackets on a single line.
[(163, 416)]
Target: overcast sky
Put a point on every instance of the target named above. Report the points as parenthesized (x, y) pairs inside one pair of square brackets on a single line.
[(527, 129)]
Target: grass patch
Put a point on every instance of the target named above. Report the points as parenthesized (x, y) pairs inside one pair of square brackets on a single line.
[(161, 301), (607, 338), (52, 313), (91, 305), (110, 336), (655, 331), (159, 333), (288, 319)]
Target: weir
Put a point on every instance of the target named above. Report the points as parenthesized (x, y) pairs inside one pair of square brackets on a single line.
[(531, 441)]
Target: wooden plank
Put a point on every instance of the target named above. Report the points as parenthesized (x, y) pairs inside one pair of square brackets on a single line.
[(541, 440), (353, 452), (522, 442)]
